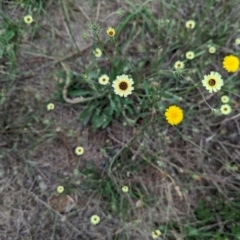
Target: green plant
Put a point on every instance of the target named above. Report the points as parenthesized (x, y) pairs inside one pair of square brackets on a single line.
[(9, 37), (217, 219)]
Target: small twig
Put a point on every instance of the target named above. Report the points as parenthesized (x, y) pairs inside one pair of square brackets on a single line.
[(52, 210), (55, 31), (114, 139), (83, 12), (98, 10)]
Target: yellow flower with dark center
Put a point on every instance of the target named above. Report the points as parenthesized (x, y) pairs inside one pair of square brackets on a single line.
[(156, 234), (237, 41), (104, 79), (79, 151), (50, 106), (28, 19), (225, 109), (212, 82), (125, 189), (179, 65), (231, 63), (212, 49), (60, 189), (97, 52), (225, 99), (190, 55), (123, 85), (111, 32), (190, 24), (174, 115), (95, 219)]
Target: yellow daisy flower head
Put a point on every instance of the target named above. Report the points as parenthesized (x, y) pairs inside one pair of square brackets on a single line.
[(225, 109), (125, 189), (237, 41), (190, 24), (50, 106), (174, 115), (111, 32), (156, 234), (104, 79), (225, 99), (60, 189), (179, 65), (79, 150), (190, 55), (95, 219), (213, 82), (123, 85), (97, 52), (212, 49), (231, 63), (28, 19)]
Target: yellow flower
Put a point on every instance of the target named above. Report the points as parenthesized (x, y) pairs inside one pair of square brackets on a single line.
[(190, 24), (79, 151), (111, 32), (123, 85), (225, 109), (95, 219), (60, 189), (225, 99), (174, 115), (50, 106), (125, 189), (231, 63), (104, 79), (97, 52), (156, 234), (237, 41), (179, 65), (212, 82), (190, 55), (28, 19), (212, 49)]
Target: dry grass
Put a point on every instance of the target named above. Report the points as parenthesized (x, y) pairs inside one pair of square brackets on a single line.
[(167, 169)]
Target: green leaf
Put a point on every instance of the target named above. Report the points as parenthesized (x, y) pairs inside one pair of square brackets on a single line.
[(86, 114), (192, 231), (1, 53), (130, 110), (9, 35), (107, 122), (109, 111), (146, 88), (93, 74), (97, 120), (118, 105)]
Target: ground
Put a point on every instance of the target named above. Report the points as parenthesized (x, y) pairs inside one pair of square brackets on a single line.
[(182, 180)]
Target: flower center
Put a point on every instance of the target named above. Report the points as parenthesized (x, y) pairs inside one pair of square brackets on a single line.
[(174, 115), (123, 86), (212, 82), (110, 33), (103, 79)]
